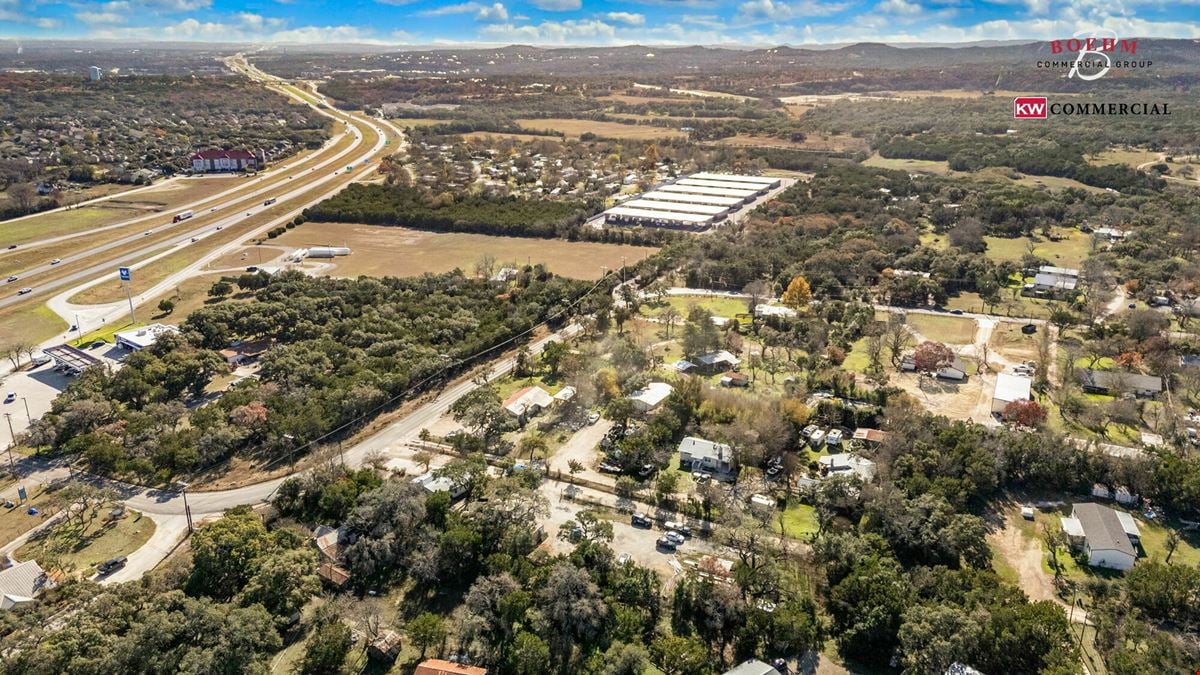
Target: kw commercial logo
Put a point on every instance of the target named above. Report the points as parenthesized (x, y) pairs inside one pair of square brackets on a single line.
[(1030, 107), (1093, 54), (1040, 108)]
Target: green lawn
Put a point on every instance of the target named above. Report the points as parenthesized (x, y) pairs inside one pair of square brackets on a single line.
[(800, 520), (1070, 251), (82, 548), (106, 333), (30, 323), (726, 307), (947, 329), (856, 359)]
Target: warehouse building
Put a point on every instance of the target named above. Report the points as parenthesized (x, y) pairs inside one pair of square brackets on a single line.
[(744, 194), (692, 198), (623, 215), (727, 184), (757, 181), (677, 207), (693, 202)]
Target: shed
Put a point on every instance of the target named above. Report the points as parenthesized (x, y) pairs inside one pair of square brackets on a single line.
[(1010, 388), (386, 646)]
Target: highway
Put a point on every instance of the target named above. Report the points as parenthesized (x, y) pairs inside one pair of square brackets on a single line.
[(244, 205)]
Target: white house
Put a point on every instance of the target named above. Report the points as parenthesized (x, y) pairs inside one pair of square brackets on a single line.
[(1055, 280), (1109, 537), (845, 463), (718, 361), (652, 396), (21, 583), (140, 338), (528, 401), (1010, 388), (956, 371), (699, 454)]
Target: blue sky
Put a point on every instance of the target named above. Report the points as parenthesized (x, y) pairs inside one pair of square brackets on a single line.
[(590, 22)]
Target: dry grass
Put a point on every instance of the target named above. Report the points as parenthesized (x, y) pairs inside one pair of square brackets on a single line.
[(575, 128), (30, 322), (835, 143), (492, 136), (397, 251), (950, 330), (638, 100), (1128, 156)]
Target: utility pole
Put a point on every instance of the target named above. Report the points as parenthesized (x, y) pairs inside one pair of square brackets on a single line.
[(11, 466), (187, 510), (27, 415)]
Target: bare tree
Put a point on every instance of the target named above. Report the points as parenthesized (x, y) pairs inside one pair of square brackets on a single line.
[(899, 338)]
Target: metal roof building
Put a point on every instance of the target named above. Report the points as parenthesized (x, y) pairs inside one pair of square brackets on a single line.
[(744, 194), (74, 360), (757, 181), (679, 207), (692, 198), (757, 189), (626, 215)]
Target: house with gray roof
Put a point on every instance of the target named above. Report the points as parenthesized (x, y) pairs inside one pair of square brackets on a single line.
[(1109, 537), (698, 454), (1117, 382), (21, 583)]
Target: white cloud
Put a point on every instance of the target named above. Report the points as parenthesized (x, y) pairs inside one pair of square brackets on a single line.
[(557, 5), (900, 7), (258, 22), (322, 34), (627, 18), (494, 13), (47, 23), (192, 28), (582, 31), (782, 10), (98, 18), (176, 5)]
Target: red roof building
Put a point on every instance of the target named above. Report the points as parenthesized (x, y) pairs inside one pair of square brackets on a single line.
[(207, 161)]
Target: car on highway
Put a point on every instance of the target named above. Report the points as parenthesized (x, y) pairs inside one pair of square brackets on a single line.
[(10, 397), (219, 227), (147, 232), (194, 239), (56, 261), (25, 290), (12, 279), (11, 246)]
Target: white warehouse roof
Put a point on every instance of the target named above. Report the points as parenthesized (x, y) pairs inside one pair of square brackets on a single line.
[(737, 178), (714, 200), (647, 214), (676, 207), (1011, 388), (741, 192), (721, 184)]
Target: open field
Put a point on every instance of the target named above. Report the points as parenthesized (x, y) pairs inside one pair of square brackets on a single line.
[(995, 174), (115, 210), (404, 122), (84, 548), (398, 251), (574, 128), (522, 138), (912, 165), (1127, 156), (1069, 251), (835, 143), (242, 258), (638, 100), (1008, 341), (32, 322), (948, 329)]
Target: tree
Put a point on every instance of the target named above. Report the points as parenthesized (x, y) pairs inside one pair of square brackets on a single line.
[(930, 357), (756, 290), (284, 581), (1025, 413), (531, 444), (326, 649), (669, 316), (934, 637), (220, 289), (898, 337), (798, 293), (679, 655), (1172, 543), (166, 306), (530, 655), (479, 410), (225, 554), (553, 354), (423, 457), (23, 196), (588, 526), (426, 630), (573, 609)]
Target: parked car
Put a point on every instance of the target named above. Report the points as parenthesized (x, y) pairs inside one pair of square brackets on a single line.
[(10, 397), (675, 537), (112, 565), (98, 344), (666, 544), (639, 520), (957, 312), (593, 418), (680, 527), (608, 467), (646, 470)]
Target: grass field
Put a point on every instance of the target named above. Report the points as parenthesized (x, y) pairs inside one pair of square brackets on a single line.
[(799, 520), (398, 251), (835, 143), (912, 165), (574, 128), (724, 307), (29, 323), (524, 138), (82, 548), (106, 333), (1127, 156), (15, 521), (994, 174), (1070, 251), (948, 329)]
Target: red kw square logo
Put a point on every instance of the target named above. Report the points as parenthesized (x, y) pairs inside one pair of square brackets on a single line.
[(1029, 107)]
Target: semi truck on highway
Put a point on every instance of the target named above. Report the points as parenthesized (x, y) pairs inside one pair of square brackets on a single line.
[(183, 215)]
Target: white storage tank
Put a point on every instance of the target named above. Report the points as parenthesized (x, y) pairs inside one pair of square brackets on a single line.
[(327, 251)]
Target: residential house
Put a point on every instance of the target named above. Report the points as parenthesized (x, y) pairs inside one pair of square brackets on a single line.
[(440, 667), (1116, 383), (1189, 361), (956, 371), (683, 365), (1011, 388), (753, 667), (435, 483), (650, 397), (872, 438), (506, 274), (209, 161), (528, 402), (716, 362), (846, 464), (386, 646), (330, 543), (242, 353), (735, 379), (1051, 280), (565, 395), (698, 454), (1108, 537), (764, 311), (21, 583)]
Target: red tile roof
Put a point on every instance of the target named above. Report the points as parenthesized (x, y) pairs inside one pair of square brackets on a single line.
[(219, 154)]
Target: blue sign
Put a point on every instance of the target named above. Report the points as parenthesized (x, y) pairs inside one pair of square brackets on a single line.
[(125, 275)]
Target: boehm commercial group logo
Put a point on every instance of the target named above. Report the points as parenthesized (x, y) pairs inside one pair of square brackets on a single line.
[(1093, 54), (1040, 108)]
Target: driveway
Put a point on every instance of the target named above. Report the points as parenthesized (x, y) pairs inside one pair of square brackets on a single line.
[(582, 448)]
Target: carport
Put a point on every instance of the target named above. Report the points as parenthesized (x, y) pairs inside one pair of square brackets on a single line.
[(70, 358)]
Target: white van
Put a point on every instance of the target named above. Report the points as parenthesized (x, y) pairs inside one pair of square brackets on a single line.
[(40, 359)]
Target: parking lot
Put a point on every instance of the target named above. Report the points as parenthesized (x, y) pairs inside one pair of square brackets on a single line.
[(33, 392)]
